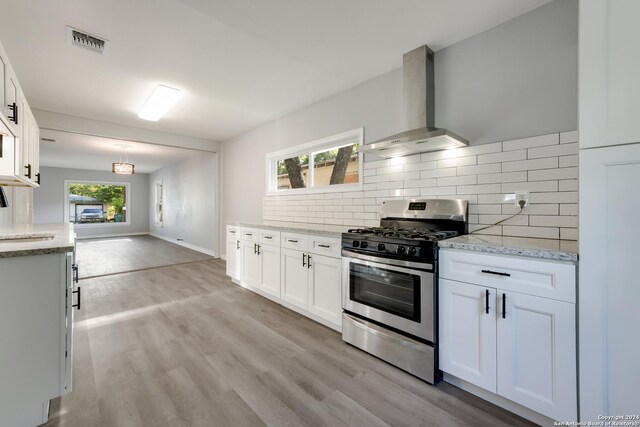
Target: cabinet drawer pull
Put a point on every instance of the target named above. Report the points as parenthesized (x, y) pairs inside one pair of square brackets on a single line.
[(497, 273), (79, 298), (232, 231), (248, 234), (14, 111), (268, 237), (504, 306), (486, 301), (292, 241), (325, 246)]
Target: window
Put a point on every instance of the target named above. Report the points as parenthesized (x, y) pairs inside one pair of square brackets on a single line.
[(97, 203), (329, 164), (158, 203)]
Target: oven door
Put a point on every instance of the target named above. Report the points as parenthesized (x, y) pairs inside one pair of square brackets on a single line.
[(399, 296)]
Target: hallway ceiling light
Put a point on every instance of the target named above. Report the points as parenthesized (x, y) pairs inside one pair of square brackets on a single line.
[(123, 168), (160, 101)]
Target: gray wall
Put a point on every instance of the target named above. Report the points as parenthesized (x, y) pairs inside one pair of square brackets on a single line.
[(516, 80), (48, 200), (189, 201)]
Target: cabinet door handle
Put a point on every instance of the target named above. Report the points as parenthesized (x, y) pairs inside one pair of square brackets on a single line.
[(308, 261), (504, 306), (79, 298), (304, 260), (255, 248), (14, 110), (74, 268), (38, 178), (497, 273), (237, 244), (28, 174), (486, 301), (324, 246), (258, 249), (292, 241)]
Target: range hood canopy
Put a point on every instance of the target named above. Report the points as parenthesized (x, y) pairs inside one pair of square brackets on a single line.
[(418, 103)]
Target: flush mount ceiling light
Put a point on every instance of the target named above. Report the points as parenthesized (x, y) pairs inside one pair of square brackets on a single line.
[(123, 168), (162, 98)]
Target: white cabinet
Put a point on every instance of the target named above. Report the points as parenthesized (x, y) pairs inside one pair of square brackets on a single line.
[(609, 89), (36, 303), (521, 346), (295, 277), (468, 333), (609, 272), (233, 252), (301, 271), (19, 146), (325, 288)]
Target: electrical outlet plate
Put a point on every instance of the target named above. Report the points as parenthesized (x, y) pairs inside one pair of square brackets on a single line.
[(522, 195)]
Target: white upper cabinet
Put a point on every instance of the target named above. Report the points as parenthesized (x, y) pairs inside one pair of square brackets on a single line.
[(20, 144), (609, 63)]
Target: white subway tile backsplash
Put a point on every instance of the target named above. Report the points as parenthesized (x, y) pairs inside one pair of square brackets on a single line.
[(486, 175), (532, 187), (559, 173), (493, 178), (546, 163), (552, 151), (479, 169), (457, 180), (536, 141), (568, 137), (506, 156)]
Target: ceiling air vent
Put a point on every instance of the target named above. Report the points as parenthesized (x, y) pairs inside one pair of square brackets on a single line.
[(87, 41)]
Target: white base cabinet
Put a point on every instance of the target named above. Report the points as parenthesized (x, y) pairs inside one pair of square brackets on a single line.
[(300, 271), (519, 346), (36, 314)]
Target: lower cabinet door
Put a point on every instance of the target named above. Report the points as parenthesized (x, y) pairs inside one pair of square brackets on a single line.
[(295, 277), (468, 333), (251, 274), (325, 288), (270, 259), (233, 255), (537, 354)]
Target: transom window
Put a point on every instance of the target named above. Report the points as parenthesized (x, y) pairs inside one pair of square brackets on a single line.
[(325, 165)]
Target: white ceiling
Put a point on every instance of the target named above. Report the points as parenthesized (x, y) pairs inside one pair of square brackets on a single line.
[(240, 63), (76, 151)]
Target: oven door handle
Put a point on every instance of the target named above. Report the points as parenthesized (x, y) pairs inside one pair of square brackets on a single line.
[(388, 261)]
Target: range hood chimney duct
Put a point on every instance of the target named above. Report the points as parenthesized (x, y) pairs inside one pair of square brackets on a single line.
[(418, 93)]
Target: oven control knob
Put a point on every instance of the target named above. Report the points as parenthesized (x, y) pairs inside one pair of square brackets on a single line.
[(401, 249), (381, 246), (412, 250), (363, 245), (356, 244)]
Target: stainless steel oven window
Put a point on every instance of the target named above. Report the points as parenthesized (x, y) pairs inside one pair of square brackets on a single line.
[(391, 291)]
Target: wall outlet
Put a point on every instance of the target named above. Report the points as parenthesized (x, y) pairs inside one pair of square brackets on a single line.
[(522, 196)]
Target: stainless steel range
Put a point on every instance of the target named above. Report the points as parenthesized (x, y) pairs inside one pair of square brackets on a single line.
[(390, 282)]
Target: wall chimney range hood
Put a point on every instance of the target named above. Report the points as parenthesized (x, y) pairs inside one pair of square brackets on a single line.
[(418, 104)]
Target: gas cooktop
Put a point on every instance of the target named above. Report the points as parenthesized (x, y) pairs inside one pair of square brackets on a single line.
[(405, 233)]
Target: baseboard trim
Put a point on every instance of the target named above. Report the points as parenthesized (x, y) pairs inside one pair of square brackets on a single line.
[(500, 401), (100, 236), (186, 245)]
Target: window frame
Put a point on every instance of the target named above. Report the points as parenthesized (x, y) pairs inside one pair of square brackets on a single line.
[(355, 136), (127, 203), (158, 202)]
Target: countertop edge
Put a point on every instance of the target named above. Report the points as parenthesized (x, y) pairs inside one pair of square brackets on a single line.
[(547, 254), (293, 228)]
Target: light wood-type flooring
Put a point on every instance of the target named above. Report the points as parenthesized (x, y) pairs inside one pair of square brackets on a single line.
[(182, 346), (100, 256)]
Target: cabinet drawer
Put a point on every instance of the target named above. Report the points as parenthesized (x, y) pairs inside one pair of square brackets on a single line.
[(251, 234), (295, 241), (270, 237), (542, 278), (328, 246), (233, 232)]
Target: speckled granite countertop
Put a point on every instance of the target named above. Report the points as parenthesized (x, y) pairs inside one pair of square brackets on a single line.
[(298, 227), (11, 246), (560, 250)]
